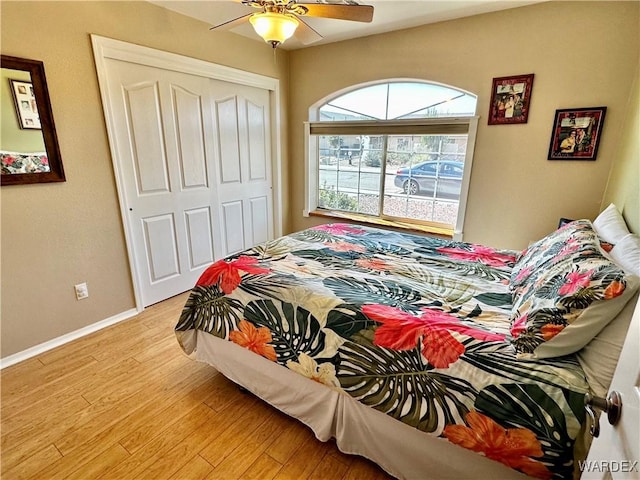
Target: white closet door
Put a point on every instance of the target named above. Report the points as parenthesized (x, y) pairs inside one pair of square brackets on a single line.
[(242, 125), (165, 150), (191, 149)]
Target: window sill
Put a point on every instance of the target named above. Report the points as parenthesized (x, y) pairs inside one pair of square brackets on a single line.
[(442, 232)]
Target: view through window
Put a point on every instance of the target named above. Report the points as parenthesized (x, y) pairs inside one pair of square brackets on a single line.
[(395, 150)]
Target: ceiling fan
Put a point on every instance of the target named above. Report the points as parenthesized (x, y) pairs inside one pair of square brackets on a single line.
[(278, 20)]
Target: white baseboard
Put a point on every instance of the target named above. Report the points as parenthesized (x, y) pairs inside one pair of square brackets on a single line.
[(66, 338)]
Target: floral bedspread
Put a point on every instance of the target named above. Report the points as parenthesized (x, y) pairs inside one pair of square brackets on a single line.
[(416, 327), (11, 162)]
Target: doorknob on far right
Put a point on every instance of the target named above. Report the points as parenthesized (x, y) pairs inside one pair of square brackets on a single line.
[(612, 405)]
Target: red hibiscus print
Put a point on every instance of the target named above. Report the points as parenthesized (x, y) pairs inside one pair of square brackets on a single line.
[(523, 274), (570, 247), (519, 326), (439, 319), (479, 253), (345, 247), (440, 347), (431, 330), (228, 273), (574, 282), (339, 229), (372, 264)]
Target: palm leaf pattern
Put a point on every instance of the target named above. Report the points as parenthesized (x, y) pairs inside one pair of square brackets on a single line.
[(328, 257), (434, 287), (311, 301), (347, 320), (476, 269), (403, 385), (314, 235), (293, 329), (270, 285), (209, 310), (384, 248), (384, 292), (496, 358)]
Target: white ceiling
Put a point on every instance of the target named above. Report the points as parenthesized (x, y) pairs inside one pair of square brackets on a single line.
[(388, 15)]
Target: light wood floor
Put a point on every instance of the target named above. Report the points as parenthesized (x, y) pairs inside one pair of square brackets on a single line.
[(126, 403)]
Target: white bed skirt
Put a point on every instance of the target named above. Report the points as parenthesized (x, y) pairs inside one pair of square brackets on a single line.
[(401, 450)]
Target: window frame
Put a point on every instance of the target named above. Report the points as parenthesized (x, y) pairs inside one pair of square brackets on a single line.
[(425, 126)]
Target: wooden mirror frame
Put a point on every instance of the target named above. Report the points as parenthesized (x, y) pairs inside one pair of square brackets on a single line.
[(38, 80)]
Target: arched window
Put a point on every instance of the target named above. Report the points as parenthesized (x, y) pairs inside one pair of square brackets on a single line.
[(395, 151)]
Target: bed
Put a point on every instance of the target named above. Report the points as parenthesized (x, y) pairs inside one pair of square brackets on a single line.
[(433, 358)]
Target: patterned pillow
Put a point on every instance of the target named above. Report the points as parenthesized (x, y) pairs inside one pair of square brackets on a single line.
[(548, 251), (571, 293)]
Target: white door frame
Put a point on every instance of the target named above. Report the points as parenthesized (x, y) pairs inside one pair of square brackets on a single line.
[(107, 48)]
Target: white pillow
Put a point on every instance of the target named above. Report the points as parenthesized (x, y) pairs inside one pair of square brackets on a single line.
[(626, 253), (610, 226)]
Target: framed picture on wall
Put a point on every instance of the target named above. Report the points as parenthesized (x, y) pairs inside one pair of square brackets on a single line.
[(510, 99), (576, 133), (25, 102)]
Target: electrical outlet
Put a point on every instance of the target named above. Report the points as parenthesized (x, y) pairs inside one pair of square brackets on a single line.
[(81, 291)]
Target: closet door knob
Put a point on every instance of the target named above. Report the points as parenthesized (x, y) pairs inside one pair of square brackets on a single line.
[(612, 405)]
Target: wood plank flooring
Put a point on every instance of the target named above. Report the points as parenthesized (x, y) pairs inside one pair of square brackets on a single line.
[(126, 403)]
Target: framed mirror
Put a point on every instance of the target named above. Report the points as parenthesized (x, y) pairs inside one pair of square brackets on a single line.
[(29, 151)]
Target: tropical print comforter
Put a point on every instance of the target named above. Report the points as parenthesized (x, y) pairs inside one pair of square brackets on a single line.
[(416, 327)]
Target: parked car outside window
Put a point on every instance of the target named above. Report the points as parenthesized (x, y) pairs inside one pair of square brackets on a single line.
[(441, 179)]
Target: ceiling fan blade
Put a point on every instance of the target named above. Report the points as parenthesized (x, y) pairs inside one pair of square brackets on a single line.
[(356, 13), (306, 34), (232, 23)]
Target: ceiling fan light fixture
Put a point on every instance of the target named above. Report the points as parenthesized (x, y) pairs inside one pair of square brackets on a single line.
[(274, 27)]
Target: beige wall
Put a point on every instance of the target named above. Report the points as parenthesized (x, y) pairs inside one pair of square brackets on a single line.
[(623, 188), (583, 54), (57, 235)]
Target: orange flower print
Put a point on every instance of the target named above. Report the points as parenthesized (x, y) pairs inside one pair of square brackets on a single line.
[(511, 446), (550, 330), (614, 290), (606, 246), (255, 339)]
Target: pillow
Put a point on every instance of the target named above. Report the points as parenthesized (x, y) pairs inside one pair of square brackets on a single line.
[(626, 253), (568, 298), (610, 226), (548, 250)]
